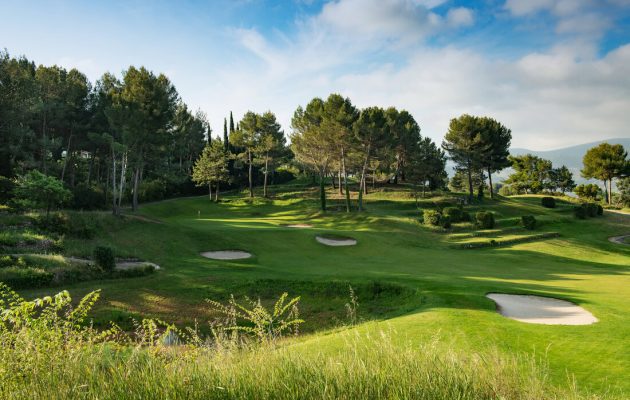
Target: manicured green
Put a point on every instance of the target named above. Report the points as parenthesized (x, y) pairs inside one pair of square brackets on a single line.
[(431, 289)]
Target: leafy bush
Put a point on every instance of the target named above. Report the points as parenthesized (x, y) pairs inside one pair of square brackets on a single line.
[(104, 258), (54, 223), (600, 210), (465, 216), (445, 221), (431, 217), (36, 190), (6, 189), (21, 277), (528, 221), (484, 220), (589, 191), (580, 211), (548, 202), (88, 197), (454, 213), (591, 209)]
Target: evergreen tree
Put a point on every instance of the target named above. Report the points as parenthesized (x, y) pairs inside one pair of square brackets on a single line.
[(497, 139), (231, 123), (226, 142), (606, 162), (211, 167)]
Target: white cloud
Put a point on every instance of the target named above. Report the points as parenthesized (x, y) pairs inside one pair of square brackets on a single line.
[(460, 16), (562, 96)]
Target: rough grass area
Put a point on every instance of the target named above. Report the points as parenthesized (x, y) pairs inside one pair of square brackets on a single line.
[(443, 289), (48, 352)]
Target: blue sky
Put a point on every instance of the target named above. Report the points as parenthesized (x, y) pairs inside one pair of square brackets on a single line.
[(557, 72)]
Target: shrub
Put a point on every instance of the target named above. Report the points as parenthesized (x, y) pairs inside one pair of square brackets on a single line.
[(25, 277), (600, 210), (528, 221), (36, 190), (54, 223), (580, 211), (591, 209), (485, 220), (104, 258), (431, 217), (88, 197), (589, 191), (465, 216), (454, 213), (445, 221), (548, 202), (6, 188)]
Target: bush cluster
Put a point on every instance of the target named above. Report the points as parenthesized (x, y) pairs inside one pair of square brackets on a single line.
[(528, 221), (454, 213), (485, 219), (431, 217), (104, 258), (588, 210), (548, 202)]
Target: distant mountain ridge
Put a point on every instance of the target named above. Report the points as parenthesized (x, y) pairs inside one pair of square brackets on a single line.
[(570, 156)]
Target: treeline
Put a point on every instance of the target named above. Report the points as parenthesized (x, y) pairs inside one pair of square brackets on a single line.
[(121, 138), (333, 138), (605, 162)]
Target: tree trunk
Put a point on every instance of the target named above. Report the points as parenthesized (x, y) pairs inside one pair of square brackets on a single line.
[(251, 183), (123, 178), (332, 180), (266, 173), (210, 191), (609, 190), (216, 193), (322, 191), (470, 184), (374, 180), (45, 145), (345, 178), (340, 187), (490, 184), (362, 185), (114, 202), (65, 161), (136, 180)]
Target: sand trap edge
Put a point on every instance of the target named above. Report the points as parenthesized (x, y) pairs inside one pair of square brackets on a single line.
[(619, 239), (336, 242), (551, 311), (226, 255)]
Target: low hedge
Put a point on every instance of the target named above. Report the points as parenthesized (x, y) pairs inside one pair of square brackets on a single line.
[(454, 213), (485, 220), (529, 222), (431, 217), (548, 202)]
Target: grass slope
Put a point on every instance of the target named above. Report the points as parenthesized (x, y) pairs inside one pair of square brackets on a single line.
[(409, 278)]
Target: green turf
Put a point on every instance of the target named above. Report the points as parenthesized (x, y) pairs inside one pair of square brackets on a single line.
[(408, 276)]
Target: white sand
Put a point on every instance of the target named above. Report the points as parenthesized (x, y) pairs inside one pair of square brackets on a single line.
[(300, 226), (135, 264), (541, 310), (336, 242), (619, 239), (226, 255)]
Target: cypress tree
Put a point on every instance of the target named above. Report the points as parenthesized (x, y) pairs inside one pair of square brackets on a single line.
[(226, 142), (231, 123)]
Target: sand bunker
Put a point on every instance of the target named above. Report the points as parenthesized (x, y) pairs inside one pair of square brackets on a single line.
[(226, 255), (124, 265), (619, 239), (329, 241), (299, 226), (541, 310)]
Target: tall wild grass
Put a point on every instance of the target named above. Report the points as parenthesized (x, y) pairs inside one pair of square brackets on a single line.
[(48, 350)]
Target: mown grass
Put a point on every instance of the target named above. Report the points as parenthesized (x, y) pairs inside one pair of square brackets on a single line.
[(443, 288)]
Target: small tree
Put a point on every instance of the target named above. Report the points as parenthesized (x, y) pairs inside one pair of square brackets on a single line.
[(211, 167), (606, 162), (561, 179), (36, 190), (589, 191)]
